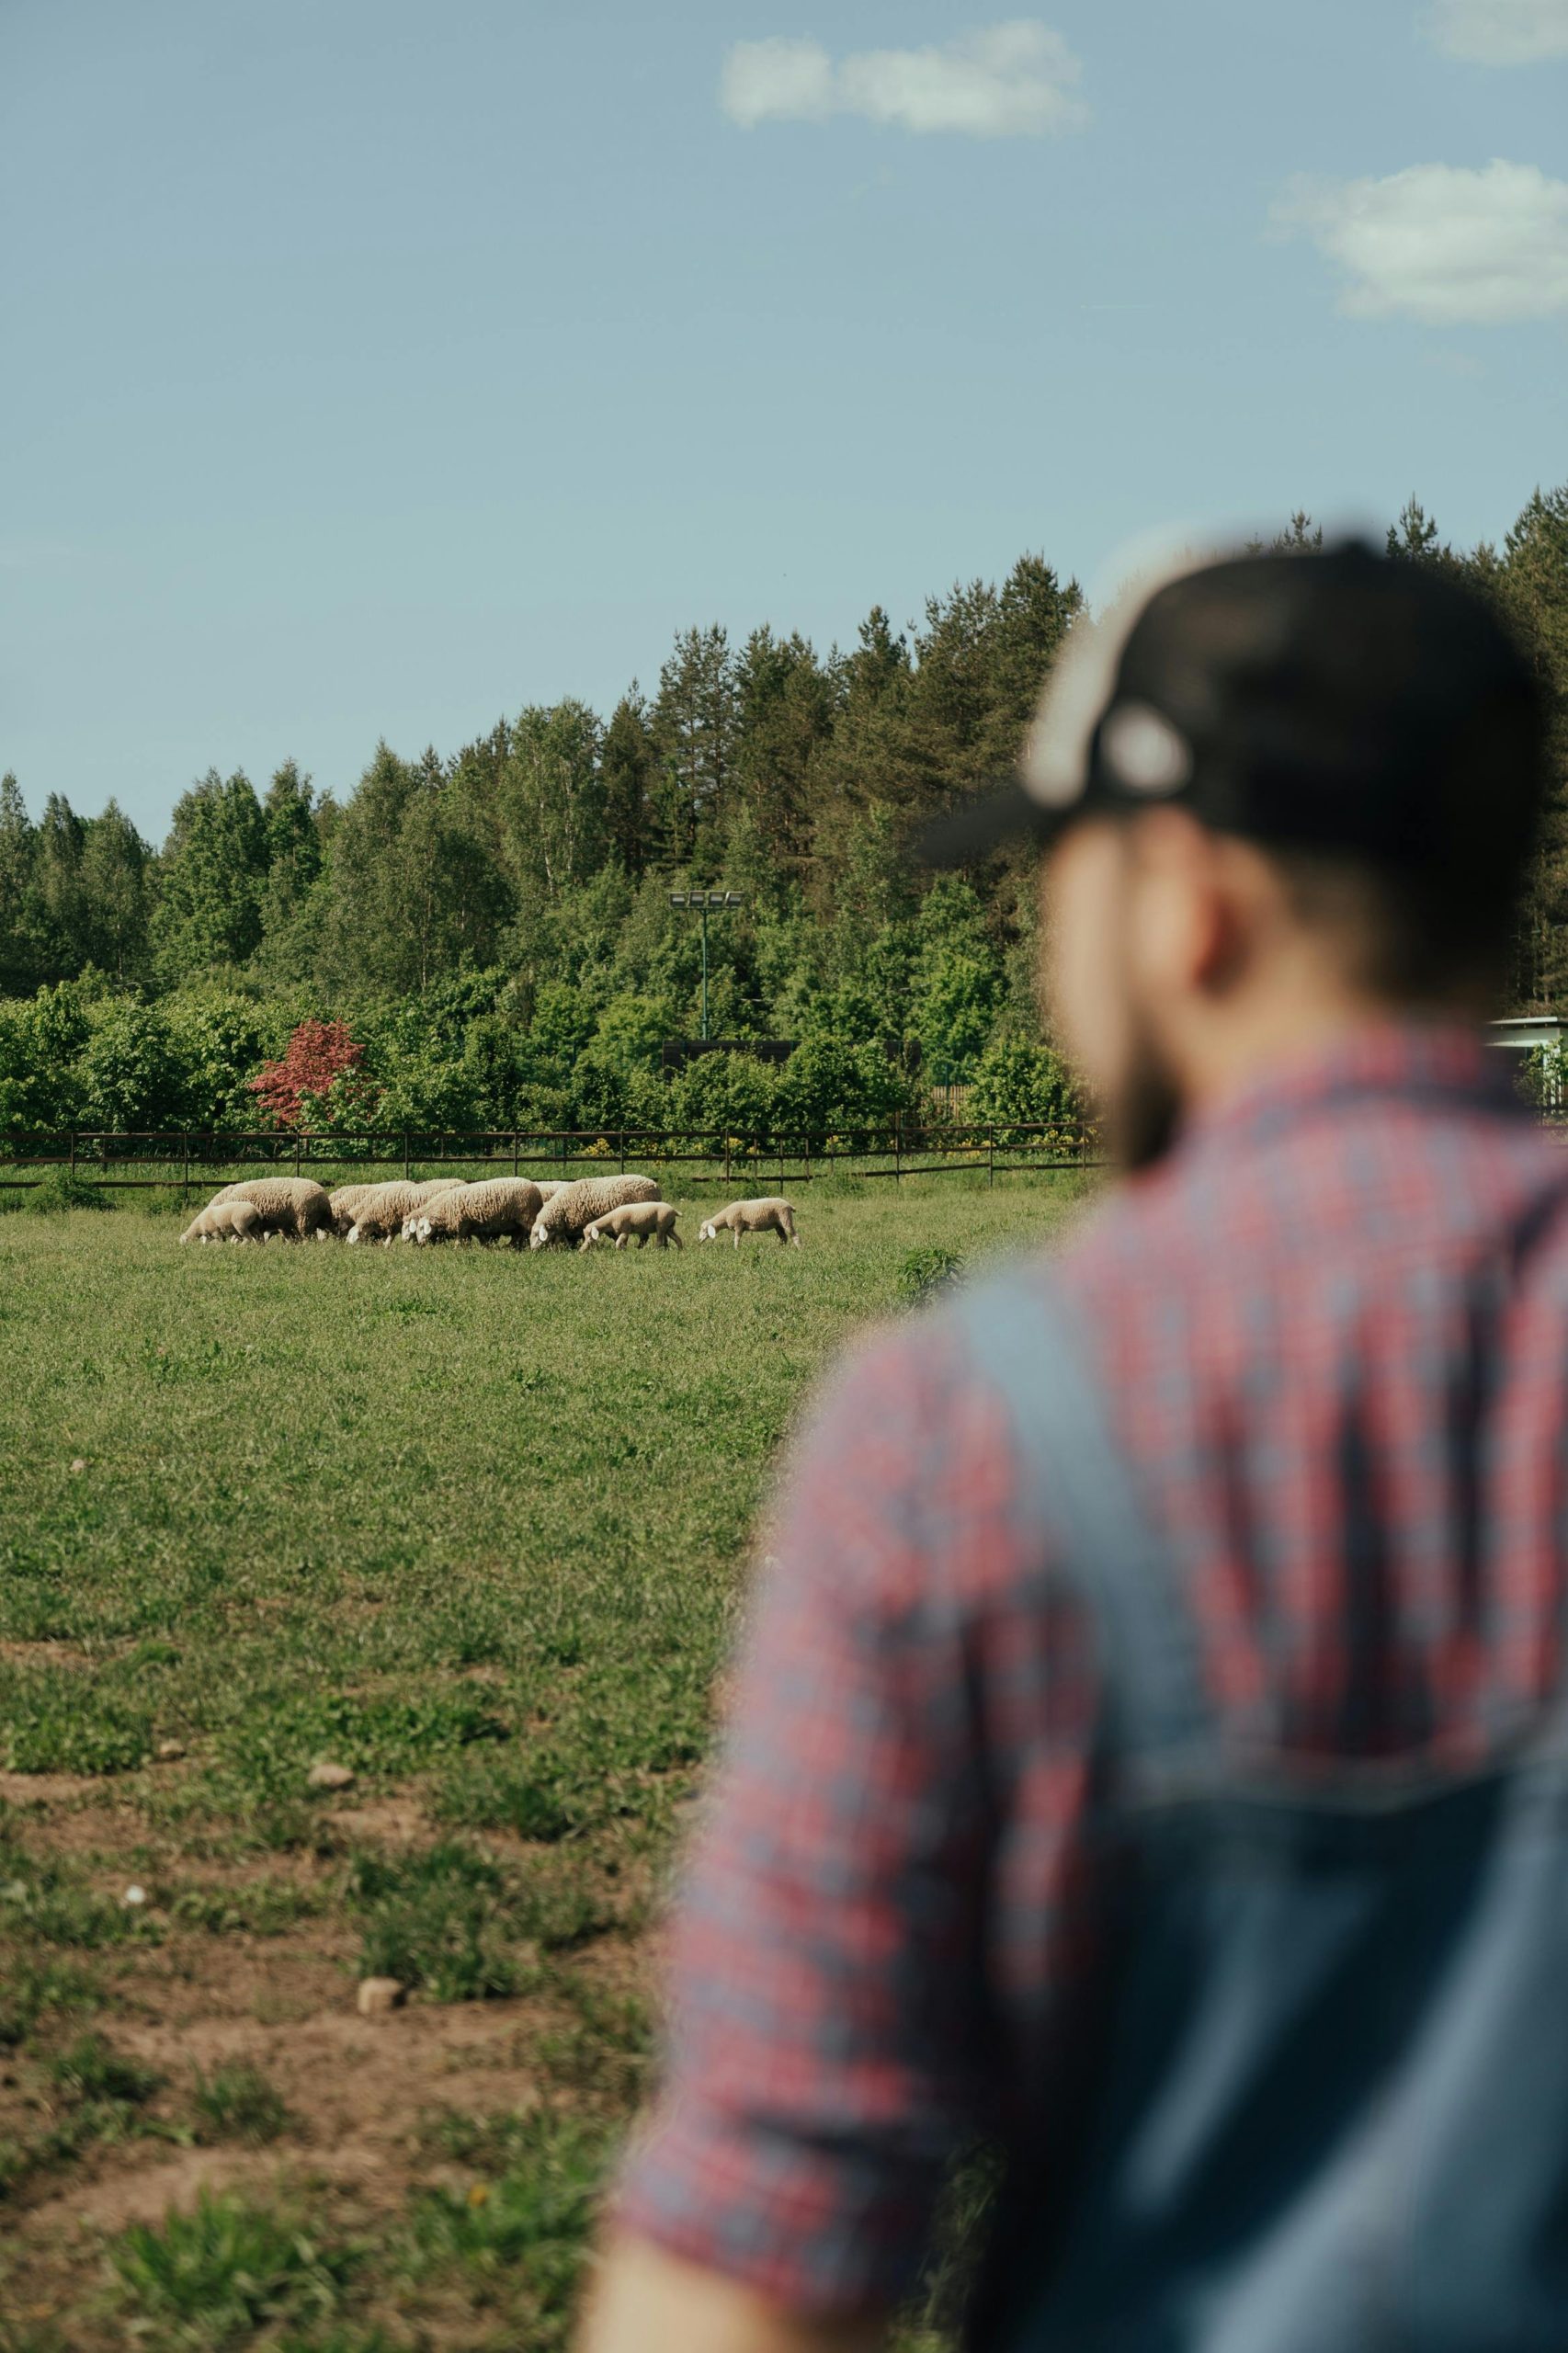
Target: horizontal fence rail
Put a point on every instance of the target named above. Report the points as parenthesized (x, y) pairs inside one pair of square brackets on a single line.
[(180, 1161)]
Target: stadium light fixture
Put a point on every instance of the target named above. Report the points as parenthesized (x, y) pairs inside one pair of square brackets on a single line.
[(704, 904)]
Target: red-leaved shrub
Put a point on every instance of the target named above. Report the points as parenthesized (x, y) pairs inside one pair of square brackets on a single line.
[(320, 1059)]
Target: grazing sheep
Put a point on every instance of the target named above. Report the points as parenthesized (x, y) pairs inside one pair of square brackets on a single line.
[(576, 1205), (639, 1222), (503, 1208), (379, 1216), (224, 1222), (344, 1201), (292, 1207), (770, 1216)]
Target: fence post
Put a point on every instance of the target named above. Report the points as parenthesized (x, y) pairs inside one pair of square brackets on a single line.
[(897, 1150), (407, 1164), (623, 1152), (73, 1155), (185, 1186), (514, 1151), (990, 1165), (726, 1156)]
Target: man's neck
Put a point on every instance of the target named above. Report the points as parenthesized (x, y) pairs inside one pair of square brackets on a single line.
[(1231, 1053)]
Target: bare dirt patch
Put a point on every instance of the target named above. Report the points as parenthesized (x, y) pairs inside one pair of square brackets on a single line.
[(48, 1789), (46, 1654)]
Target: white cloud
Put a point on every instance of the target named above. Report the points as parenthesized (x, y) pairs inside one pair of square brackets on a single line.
[(1499, 32), (777, 81), (1015, 81), (1448, 246)]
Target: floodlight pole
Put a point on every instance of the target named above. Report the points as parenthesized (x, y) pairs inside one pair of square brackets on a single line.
[(720, 902)]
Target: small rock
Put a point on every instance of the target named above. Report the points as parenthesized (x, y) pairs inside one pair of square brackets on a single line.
[(331, 1777), (169, 1752), (134, 1896), (79, 1465), (376, 1995)]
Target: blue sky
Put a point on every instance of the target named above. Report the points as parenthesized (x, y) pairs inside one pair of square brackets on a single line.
[(375, 369)]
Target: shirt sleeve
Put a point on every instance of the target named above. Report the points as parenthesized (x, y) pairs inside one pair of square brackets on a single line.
[(828, 2010)]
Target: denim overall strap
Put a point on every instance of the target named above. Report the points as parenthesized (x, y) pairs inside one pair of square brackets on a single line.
[(1028, 1347)]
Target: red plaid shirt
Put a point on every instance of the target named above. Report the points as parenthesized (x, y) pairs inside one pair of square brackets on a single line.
[(1333, 1327)]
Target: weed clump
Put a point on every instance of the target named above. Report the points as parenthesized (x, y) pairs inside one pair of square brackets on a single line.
[(528, 2222), (90, 2070), (440, 1921), (926, 1275), (226, 2269), (238, 2103)]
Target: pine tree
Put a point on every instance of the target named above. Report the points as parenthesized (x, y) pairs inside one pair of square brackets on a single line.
[(1531, 583), (113, 878), (58, 872), (695, 732), (23, 953), (1415, 534), (785, 710), (626, 773)]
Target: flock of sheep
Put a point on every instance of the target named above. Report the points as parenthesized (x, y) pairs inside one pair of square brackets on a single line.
[(512, 1210)]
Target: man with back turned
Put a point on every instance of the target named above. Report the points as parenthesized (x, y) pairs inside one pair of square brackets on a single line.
[(1150, 1749)]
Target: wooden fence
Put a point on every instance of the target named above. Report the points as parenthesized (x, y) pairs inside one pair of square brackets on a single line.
[(176, 1159)]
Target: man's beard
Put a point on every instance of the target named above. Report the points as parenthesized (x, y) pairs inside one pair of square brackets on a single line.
[(1143, 1112)]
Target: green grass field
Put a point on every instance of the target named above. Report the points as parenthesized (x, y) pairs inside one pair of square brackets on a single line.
[(472, 1525)]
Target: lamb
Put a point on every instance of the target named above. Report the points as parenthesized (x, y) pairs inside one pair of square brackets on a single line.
[(504, 1208), (639, 1222), (576, 1205), (290, 1206), (772, 1215), (224, 1222), (380, 1215)]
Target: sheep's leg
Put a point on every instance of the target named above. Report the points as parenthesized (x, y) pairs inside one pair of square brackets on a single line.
[(675, 1241)]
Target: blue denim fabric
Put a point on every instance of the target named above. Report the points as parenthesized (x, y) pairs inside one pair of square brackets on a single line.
[(1326, 2106)]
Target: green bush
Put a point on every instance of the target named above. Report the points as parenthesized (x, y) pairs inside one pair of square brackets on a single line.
[(1019, 1086), (58, 1190)]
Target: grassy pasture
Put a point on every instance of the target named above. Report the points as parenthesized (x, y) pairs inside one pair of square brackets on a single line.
[(472, 1525)]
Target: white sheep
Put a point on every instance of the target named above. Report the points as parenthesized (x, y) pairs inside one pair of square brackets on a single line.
[(773, 1215), (224, 1222), (382, 1214), (639, 1222), (500, 1209), (292, 1207), (344, 1203), (576, 1205)]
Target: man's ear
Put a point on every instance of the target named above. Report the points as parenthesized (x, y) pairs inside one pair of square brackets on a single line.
[(1184, 934)]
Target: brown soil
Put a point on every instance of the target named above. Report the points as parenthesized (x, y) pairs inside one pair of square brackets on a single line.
[(360, 2091)]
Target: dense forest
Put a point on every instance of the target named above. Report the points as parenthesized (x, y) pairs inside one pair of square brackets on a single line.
[(485, 939)]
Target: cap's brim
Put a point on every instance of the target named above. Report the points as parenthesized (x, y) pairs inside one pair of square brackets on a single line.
[(976, 828)]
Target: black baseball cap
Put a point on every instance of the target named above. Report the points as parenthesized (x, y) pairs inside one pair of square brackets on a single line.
[(1336, 701)]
